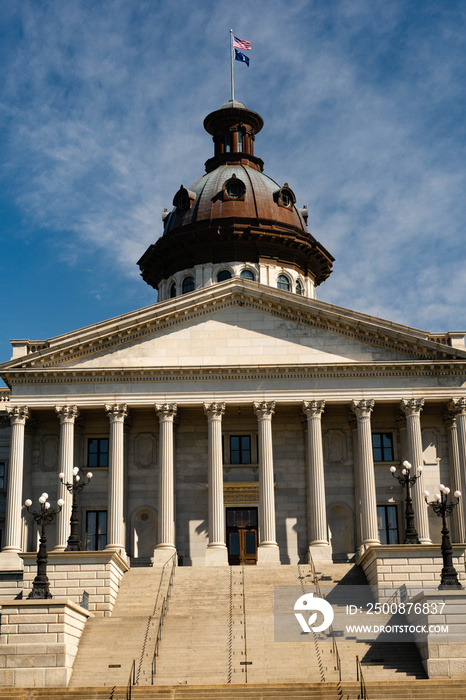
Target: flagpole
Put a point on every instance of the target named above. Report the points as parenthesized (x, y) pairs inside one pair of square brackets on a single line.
[(231, 61)]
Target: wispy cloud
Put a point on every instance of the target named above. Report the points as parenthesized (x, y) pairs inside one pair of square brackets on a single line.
[(102, 107)]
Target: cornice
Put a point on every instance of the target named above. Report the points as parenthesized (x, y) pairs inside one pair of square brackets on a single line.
[(72, 375), (140, 324)]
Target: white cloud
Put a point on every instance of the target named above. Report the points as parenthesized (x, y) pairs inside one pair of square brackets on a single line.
[(363, 106)]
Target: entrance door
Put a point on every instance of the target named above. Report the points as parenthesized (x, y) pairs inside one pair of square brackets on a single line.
[(242, 535)]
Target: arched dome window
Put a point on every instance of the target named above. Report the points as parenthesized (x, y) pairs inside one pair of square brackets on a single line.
[(283, 283), (234, 188), (188, 285), (183, 199), (173, 291), (299, 287), (285, 197), (247, 275), (223, 275)]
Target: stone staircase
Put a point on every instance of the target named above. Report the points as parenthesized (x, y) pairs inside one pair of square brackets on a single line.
[(109, 644), (380, 661), (404, 690)]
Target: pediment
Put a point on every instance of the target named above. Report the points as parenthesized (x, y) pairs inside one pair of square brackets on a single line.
[(236, 323)]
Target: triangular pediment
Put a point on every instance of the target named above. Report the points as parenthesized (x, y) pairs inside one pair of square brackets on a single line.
[(236, 323)]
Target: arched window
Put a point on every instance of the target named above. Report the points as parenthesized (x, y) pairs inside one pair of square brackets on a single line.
[(173, 291), (247, 275), (188, 285), (299, 287), (223, 275), (283, 283)]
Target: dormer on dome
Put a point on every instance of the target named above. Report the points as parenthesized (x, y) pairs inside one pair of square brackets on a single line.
[(237, 219)]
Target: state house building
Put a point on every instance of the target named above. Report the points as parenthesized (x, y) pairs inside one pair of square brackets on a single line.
[(239, 418)]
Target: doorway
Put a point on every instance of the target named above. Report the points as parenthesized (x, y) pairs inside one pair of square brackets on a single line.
[(242, 535)]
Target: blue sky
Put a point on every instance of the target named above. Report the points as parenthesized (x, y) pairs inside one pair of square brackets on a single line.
[(101, 110)]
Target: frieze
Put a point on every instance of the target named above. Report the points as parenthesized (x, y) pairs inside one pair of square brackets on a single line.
[(241, 492)]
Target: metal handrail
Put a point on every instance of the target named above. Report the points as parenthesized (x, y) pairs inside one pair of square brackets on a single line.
[(131, 680), (330, 629), (360, 678), (163, 612)]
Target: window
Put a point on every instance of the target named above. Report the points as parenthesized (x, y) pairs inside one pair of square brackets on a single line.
[(97, 452), (299, 287), (2, 476), (223, 275), (387, 519), (382, 447), (240, 141), (283, 283), (188, 285), (96, 530), (240, 449), (234, 188), (173, 291), (247, 275), (227, 142)]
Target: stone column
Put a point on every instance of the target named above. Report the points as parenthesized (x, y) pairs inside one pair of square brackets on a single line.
[(166, 526), (456, 483), (412, 409), (67, 416), (268, 552), (216, 552), (18, 417), (115, 523), (319, 545), (366, 477)]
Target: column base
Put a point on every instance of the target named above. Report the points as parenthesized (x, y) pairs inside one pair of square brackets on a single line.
[(59, 548), (268, 554), (10, 561), (320, 552), (216, 554), (425, 540), (163, 554)]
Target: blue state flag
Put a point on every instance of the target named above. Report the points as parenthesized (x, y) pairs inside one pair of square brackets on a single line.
[(241, 57)]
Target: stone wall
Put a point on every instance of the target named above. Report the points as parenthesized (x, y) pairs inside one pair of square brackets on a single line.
[(39, 641), (72, 573)]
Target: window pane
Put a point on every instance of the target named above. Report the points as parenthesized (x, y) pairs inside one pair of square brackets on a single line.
[(247, 275), (283, 283), (188, 285), (2, 475), (250, 543), (234, 543), (223, 275)]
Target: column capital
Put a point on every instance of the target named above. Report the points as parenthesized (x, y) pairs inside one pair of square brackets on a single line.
[(116, 411), (363, 408), (312, 409), (214, 410), (67, 414), (18, 414), (449, 418), (457, 406), (264, 409), (411, 407), (166, 411)]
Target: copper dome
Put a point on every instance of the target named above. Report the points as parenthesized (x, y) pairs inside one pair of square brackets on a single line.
[(234, 212)]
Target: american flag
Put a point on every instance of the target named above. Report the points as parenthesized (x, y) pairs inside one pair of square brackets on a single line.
[(242, 44)]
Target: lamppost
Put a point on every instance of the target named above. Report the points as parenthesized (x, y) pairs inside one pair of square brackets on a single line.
[(442, 507), (76, 486), (43, 517), (407, 480)]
